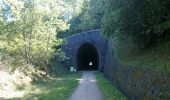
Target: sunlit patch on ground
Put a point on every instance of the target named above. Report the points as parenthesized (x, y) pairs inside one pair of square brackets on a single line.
[(7, 89), (19, 87), (10, 94)]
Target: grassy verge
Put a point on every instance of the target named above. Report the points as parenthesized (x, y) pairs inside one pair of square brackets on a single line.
[(109, 91), (157, 58), (55, 88)]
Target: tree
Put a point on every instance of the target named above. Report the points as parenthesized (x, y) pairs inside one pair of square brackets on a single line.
[(30, 35), (139, 19)]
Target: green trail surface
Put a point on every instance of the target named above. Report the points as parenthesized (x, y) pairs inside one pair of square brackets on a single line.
[(110, 92)]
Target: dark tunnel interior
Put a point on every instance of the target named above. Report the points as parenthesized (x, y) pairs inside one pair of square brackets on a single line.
[(87, 57)]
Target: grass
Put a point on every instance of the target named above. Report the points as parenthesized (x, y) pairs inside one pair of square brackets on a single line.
[(109, 91), (157, 58), (56, 88)]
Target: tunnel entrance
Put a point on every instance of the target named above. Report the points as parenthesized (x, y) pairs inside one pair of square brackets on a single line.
[(87, 57)]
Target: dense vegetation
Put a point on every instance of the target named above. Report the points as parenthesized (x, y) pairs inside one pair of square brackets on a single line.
[(31, 32), (147, 22), (137, 27), (29, 49), (28, 31)]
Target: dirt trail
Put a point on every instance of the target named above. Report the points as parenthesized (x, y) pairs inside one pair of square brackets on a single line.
[(87, 88)]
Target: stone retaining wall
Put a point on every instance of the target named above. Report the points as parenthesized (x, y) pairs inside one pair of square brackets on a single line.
[(142, 84), (136, 83)]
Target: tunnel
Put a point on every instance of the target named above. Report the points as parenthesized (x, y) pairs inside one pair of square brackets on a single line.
[(87, 57)]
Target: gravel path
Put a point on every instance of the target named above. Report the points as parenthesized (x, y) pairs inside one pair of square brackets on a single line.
[(87, 88)]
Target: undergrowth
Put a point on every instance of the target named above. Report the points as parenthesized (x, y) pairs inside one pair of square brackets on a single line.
[(156, 58)]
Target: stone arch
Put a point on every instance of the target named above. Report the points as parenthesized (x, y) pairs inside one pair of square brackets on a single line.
[(75, 42)]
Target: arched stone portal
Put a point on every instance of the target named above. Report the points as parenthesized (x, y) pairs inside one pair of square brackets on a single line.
[(87, 57), (86, 47)]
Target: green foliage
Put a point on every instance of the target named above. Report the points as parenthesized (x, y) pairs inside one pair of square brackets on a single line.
[(109, 91), (156, 58), (29, 34), (28, 29), (88, 18), (56, 68), (139, 28), (60, 56), (145, 21)]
